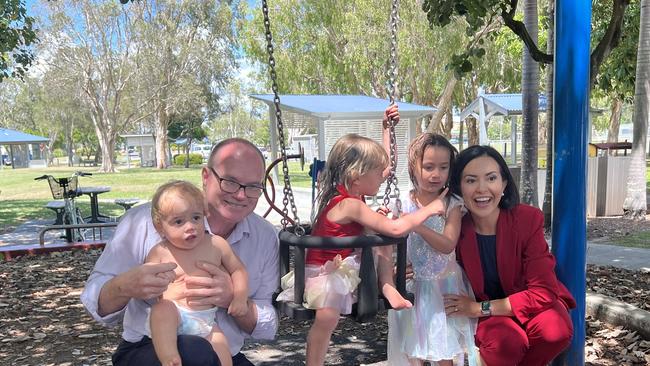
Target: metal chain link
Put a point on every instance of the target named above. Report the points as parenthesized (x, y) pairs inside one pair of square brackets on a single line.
[(288, 192), (391, 181)]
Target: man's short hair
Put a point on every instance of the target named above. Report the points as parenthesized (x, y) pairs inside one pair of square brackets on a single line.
[(234, 140)]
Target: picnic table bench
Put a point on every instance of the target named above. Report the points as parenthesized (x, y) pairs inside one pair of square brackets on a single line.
[(59, 208), (88, 162), (127, 203), (609, 147)]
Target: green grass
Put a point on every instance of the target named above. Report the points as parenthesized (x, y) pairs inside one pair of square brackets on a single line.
[(636, 240), (299, 178), (22, 198)]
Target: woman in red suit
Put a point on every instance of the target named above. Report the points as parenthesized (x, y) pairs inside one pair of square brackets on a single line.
[(522, 306)]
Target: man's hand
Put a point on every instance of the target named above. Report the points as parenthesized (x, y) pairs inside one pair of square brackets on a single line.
[(214, 290), (148, 281), (144, 282)]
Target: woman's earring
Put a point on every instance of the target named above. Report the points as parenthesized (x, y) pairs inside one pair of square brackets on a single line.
[(503, 194)]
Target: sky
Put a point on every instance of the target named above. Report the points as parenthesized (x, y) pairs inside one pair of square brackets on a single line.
[(243, 75)]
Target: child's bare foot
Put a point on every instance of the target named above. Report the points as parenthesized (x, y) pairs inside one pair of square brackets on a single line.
[(396, 300), (171, 360)]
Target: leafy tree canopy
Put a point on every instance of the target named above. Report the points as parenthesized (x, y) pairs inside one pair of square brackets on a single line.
[(477, 13), (186, 125), (617, 74), (17, 34)]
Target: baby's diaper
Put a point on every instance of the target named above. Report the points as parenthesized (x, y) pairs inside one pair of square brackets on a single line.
[(192, 322), (196, 322)]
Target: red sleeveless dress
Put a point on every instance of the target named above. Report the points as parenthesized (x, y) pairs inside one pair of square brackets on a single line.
[(331, 275), (325, 227)]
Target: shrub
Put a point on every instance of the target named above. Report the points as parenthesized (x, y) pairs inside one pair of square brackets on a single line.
[(59, 153), (195, 159)]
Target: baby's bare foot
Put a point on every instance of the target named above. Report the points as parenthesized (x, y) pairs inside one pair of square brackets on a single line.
[(395, 299)]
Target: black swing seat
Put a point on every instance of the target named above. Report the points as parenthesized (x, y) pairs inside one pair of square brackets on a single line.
[(368, 300)]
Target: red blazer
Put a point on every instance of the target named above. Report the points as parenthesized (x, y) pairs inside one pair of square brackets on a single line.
[(525, 265)]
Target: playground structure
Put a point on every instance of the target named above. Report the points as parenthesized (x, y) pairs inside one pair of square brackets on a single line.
[(571, 63), (571, 122), (333, 116)]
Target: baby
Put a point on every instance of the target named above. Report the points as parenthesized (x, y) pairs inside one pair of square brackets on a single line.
[(177, 209)]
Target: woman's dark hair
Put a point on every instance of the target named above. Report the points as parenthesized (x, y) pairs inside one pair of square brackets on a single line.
[(510, 194)]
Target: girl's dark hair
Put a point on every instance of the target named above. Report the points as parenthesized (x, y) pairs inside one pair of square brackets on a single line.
[(510, 194), (419, 145)]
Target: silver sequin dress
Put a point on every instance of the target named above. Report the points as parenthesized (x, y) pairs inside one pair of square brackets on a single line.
[(424, 332)]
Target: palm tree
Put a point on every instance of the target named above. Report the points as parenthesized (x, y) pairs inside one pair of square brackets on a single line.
[(548, 190), (530, 96), (635, 203)]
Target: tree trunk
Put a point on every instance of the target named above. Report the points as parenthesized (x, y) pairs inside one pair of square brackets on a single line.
[(635, 204), (472, 131), (530, 101), (162, 124), (460, 135), (449, 123), (188, 143), (444, 103), (69, 144), (50, 148), (548, 189), (106, 136), (106, 143), (97, 155), (615, 120)]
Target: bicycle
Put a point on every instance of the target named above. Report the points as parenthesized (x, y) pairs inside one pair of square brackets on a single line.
[(66, 189)]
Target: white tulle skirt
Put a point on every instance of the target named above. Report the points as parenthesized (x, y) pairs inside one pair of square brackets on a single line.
[(332, 285), (424, 332)]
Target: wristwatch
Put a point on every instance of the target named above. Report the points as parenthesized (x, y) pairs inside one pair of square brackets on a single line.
[(485, 308)]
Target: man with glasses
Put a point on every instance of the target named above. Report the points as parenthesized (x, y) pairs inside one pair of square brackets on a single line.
[(121, 287)]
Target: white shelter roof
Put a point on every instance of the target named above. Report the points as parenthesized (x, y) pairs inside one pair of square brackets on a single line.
[(504, 104), (343, 106)]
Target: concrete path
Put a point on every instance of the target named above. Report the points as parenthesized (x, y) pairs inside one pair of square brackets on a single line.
[(603, 254)]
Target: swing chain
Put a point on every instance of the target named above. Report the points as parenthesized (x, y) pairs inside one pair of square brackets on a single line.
[(288, 192), (391, 181), (392, 72)]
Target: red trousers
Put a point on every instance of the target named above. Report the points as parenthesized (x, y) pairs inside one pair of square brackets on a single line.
[(504, 341)]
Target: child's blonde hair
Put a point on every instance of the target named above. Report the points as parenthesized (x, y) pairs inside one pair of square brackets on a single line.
[(351, 157), (181, 188)]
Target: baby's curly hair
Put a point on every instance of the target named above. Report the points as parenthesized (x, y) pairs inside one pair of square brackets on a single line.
[(177, 188)]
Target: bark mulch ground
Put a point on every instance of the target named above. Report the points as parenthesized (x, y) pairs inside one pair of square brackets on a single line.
[(42, 321)]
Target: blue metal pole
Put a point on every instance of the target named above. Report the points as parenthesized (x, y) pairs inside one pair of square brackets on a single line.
[(571, 124)]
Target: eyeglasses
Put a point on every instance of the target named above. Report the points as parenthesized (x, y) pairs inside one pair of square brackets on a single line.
[(230, 186)]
